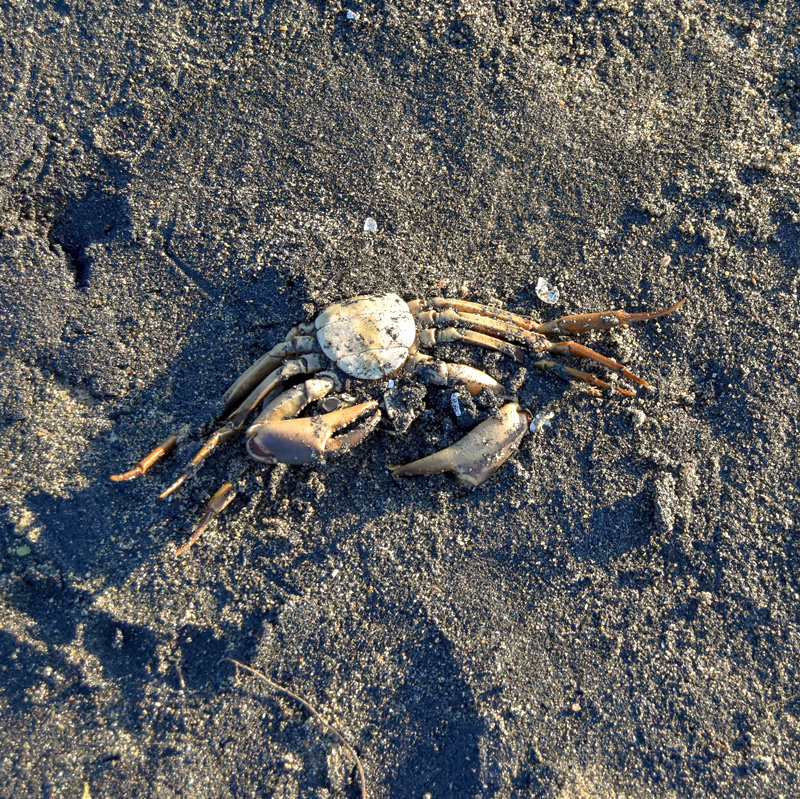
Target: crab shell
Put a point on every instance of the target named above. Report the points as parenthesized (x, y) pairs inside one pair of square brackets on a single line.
[(367, 337)]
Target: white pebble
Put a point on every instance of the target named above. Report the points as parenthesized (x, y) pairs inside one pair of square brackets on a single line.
[(638, 417), (542, 419), (370, 225), (546, 292)]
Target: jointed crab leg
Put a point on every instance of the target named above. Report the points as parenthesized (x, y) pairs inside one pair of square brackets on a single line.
[(462, 306), (537, 342), (430, 337), (218, 503), (569, 373), (293, 345), (580, 351), (576, 323), (602, 320), (166, 446), (333, 421), (305, 365), (441, 373)]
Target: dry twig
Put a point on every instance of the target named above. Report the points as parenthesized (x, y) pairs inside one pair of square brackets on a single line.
[(312, 710)]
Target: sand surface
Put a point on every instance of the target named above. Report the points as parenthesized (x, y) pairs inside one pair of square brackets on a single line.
[(615, 614)]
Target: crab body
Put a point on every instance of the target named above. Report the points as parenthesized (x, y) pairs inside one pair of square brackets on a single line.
[(366, 339)]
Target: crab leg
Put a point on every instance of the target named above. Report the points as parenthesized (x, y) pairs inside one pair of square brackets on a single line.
[(477, 456), (164, 448), (462, 306), (577, 323), (294, 345), (602, 320), (430, 337), (537, 342), (570, 374), (310, 429), (305, 365), (441, 373), (218, 503)]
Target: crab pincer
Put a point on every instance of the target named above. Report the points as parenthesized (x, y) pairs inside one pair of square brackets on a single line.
[(479, 454), (306, 439)]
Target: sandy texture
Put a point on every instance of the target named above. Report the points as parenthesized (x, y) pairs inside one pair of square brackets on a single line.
[(615, 614)]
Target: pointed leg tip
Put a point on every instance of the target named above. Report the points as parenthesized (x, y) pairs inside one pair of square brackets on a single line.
[(205, 520), (183, 548), (174, 487), (129, 475), (636, 379)]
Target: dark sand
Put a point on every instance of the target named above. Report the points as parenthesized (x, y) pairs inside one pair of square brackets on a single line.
[(615, 614)]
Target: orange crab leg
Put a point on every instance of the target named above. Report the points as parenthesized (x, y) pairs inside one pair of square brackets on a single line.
[(164, 448), (305, 365), (218, 503), (294, 345), (537, 342), (580, 351), (602, 320)]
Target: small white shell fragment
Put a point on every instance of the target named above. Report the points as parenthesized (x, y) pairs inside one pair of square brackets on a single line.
[(546, 292), (542, 419), (370, 225), (456, 404), (351, 15), (638, 417)]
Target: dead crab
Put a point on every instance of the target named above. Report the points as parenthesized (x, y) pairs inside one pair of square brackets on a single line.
[(374, 337)]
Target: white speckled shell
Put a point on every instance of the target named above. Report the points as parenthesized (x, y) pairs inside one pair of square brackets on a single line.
[(367, 337)]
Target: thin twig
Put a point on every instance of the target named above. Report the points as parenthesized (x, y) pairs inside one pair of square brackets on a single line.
[(312, 710)]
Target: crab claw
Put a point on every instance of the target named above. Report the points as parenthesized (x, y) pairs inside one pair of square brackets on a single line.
[(477, 456), (305, 440)]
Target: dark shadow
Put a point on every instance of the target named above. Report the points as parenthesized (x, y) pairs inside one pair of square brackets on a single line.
[(616, 529), (98, 215), (21, 667), (439, 746)]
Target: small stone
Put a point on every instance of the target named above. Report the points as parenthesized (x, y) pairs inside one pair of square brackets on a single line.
[(638, 417), (23, 550), (370, 225), (546, 292), (542, 419)]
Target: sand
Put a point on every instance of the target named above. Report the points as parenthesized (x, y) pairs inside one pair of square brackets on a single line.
[(615, 614)]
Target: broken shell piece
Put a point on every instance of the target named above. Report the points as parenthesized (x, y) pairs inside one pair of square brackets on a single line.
[(542, 419), (546, 292)]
